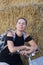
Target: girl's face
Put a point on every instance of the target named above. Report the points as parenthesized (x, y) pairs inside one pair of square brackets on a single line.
[(21, 25)]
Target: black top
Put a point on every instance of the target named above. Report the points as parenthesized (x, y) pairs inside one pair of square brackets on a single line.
[(6, 56)]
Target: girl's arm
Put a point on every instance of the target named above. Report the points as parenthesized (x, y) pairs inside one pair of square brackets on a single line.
[(33, 46), (11, 46), (30, 49)]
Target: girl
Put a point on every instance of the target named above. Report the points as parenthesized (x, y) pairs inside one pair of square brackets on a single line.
[(15, 42)]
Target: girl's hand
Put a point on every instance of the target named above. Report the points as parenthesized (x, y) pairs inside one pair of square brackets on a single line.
[(23, 52), (27, 48), (30, 49)]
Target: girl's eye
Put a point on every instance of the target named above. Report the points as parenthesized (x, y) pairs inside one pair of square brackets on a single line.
[(21, 23), (24, 24)]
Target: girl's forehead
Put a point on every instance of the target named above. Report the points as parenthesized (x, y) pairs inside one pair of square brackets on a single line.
[(21, 20)]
